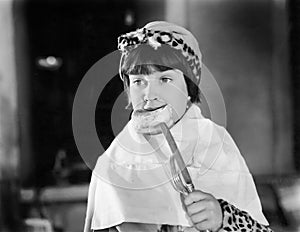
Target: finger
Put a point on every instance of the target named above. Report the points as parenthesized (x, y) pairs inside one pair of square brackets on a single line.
[(205, 220), (195, 196), (195, 207), (204, 225), (199, 217)]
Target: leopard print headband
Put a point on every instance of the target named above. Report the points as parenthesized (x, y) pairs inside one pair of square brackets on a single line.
[(160, 33)]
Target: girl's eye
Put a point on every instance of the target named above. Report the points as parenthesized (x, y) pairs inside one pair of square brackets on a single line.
[(165, 79), (137, 82)]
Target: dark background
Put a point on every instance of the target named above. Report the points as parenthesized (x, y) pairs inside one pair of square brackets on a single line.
[(80, 34), (294, 29)]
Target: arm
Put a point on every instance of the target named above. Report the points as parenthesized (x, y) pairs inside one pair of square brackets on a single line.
[(237, 220)]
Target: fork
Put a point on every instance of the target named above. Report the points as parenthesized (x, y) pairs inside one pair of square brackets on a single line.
[(178, 181), (179, 184)]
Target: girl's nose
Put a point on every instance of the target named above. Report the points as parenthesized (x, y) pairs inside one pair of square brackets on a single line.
[(151, 91)]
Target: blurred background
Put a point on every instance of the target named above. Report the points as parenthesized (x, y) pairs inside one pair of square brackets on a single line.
[(47, 46)]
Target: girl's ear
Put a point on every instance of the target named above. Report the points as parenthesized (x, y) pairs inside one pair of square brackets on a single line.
[(129, 105), (126, 89)]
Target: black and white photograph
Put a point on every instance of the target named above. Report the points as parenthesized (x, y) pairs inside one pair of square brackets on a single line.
[(149, 116)]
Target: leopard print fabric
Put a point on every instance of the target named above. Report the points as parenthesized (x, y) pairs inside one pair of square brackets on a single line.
[(157, 38), (237, 220), (233, 220)]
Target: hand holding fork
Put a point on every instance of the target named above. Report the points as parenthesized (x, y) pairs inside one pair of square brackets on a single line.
[(203, 208)]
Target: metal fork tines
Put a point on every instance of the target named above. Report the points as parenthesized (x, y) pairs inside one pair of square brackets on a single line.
[(178, 183)]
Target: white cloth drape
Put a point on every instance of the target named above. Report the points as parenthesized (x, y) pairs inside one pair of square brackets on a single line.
[(131, 181)]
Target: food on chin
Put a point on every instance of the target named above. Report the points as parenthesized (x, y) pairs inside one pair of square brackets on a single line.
[(147, 121)]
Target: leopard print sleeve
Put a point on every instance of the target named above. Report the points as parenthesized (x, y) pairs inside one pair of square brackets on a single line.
[(237, 220)]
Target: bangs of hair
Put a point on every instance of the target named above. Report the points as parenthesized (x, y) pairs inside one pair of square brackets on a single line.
[(144, 60)]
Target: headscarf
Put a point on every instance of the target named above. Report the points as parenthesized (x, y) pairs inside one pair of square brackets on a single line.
[(159, 33)]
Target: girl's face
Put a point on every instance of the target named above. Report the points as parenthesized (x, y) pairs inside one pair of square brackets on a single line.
[(150, 92)]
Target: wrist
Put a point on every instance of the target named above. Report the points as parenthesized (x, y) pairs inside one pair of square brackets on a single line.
[(220, 223)]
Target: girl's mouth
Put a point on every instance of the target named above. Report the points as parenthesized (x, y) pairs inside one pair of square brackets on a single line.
[(151, 109), (155, 108)]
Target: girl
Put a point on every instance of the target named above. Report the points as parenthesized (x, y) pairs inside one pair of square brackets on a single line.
[(130, 189)]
